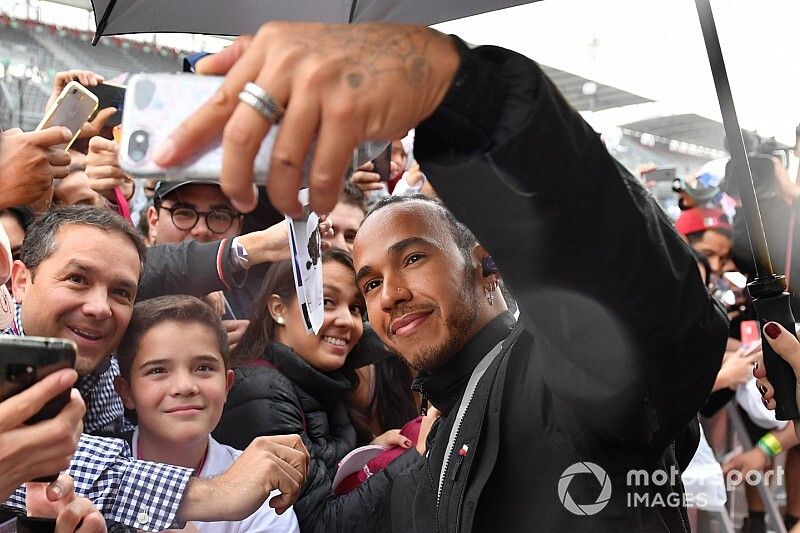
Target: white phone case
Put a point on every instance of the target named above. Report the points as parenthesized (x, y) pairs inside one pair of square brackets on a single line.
[(155, 104)]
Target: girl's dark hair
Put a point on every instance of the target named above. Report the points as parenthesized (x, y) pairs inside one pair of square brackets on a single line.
[(393, 402), (173, 308), (259, 335)]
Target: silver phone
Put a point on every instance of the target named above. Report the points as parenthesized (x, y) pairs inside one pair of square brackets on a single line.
[(72, 109), (155, 104)]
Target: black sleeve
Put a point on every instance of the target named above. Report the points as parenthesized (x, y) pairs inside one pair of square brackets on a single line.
[(610, 291), (366, 508), (189, 267)]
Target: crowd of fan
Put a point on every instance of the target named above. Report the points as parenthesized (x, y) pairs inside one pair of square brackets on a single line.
[(200, 402)]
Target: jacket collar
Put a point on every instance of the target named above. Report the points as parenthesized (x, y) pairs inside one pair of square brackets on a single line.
[(445, 385), (326, 388)]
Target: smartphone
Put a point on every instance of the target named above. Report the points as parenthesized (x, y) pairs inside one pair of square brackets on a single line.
[(154, 106), (27, 360), (660, 174), (71, 109), (382, 165), (109, 95)]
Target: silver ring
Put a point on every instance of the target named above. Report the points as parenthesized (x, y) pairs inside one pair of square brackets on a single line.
[(263, 103)]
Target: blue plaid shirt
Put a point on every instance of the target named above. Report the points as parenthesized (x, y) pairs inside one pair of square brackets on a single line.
[(138, 494)]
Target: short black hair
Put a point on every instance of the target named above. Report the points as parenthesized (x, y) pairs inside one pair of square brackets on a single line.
[(171, 308), (698, 235), (465, 240), (352, 195), (40, 237)]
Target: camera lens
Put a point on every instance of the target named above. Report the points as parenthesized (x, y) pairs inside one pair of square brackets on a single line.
[(24, 375), (138, 144), (74, 91)]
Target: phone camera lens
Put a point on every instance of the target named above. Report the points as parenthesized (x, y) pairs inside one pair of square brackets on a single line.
[(138, 144), (24, 375), (74, 91)]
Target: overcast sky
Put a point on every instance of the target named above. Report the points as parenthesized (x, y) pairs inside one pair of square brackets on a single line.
[(648, 47)]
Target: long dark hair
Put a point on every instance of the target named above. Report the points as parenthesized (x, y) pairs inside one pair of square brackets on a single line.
[(257, 340)]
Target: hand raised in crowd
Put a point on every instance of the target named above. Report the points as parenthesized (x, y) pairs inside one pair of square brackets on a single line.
[(87, 79), (268, 463), (235, 330), (365, 179), (272, 244), (42, 449), (787, 346), (753, 460), (28, 164), (341, 85), (58, 500), (736, 369), (103, 170)]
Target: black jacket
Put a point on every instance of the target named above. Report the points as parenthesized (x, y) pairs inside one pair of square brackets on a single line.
[(283, 394), (618, 342)]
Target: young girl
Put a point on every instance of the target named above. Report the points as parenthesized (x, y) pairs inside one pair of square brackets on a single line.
[(287, 381), (174, 375)]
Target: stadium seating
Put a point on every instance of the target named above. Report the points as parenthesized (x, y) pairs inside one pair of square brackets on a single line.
[(46, 49)]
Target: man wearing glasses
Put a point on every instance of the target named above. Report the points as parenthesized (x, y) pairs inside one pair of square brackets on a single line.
[(191, 209)]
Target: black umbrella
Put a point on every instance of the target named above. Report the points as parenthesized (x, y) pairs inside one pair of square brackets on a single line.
[(237, 17), (768, 290)]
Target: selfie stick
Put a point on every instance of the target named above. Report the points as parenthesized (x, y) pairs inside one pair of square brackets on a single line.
[(767, 290)]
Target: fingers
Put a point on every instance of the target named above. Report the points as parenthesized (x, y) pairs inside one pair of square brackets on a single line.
[(784, 343), (220, 63), (63, 488), (20, 407), (333, 153), (11, 131), (758, 366), (210, 119), (80, 512), (367, 181), (767, 392), (50, 136), (58, 158), (291, 146)]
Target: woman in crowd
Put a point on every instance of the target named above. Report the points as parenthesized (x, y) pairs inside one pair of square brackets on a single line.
[(287, 381)]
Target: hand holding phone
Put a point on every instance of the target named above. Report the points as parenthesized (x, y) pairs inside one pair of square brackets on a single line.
[(72, 109), (29, 163), (40, 418)]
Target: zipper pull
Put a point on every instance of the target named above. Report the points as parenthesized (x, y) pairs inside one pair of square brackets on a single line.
[(462, 453)]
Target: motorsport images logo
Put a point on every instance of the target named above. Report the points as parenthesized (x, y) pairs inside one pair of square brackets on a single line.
[(590, 508)]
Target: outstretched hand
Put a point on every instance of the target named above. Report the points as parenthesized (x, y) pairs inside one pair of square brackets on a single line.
[(340, 85), (787, 346)]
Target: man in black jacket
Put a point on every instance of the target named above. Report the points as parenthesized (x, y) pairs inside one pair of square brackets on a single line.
[(560, 417)]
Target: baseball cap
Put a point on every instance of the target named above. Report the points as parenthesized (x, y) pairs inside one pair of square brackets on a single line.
[(163, 188), (702, 218), (6, 302)]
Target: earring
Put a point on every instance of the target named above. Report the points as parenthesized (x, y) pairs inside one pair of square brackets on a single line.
[(279, 320), (489, 292)]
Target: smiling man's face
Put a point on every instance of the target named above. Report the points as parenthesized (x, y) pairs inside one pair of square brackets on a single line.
[(83, 292), (423, 298)]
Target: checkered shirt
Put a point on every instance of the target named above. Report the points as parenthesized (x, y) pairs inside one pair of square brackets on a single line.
[(104, 410), (138, 494)]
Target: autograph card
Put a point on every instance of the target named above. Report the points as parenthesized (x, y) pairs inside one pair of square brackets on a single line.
[(306, 247)]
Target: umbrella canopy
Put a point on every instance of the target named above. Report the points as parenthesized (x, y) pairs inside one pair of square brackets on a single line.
[(236, 17)]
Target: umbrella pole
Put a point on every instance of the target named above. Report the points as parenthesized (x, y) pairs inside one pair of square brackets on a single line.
[(767, 290), (101, 26)]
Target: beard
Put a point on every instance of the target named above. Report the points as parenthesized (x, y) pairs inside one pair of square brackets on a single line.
[(458, 324)]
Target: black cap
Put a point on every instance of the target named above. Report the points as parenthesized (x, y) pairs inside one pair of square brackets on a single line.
[(163, 188)]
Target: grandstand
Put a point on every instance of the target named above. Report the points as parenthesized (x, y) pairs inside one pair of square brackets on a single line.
[(31, 53)]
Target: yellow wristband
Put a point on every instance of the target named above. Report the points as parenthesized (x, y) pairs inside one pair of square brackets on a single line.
[(772, 443)]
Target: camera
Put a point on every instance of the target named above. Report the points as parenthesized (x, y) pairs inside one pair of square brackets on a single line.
[(138, 144)]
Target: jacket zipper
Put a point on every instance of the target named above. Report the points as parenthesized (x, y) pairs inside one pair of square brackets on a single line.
[(464, 487)]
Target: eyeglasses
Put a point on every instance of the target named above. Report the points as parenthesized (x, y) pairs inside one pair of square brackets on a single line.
[(217, 220)]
